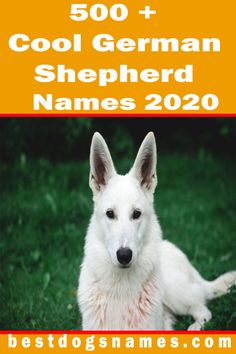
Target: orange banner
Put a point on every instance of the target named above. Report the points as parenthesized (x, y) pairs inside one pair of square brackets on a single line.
[(150, 342), (109, 57)]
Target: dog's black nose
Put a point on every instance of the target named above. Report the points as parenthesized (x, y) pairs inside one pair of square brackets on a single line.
[(124, 255)]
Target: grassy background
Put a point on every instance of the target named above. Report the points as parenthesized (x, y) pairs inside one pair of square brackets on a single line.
[(46, 203)]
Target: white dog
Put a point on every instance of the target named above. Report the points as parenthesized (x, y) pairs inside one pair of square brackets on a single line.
[(130, 278)]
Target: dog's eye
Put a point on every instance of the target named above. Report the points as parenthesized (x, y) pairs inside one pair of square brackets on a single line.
[(136, 214), (110, 214)]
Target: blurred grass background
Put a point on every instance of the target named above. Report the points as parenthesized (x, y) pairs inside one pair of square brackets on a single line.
[(45, 206)]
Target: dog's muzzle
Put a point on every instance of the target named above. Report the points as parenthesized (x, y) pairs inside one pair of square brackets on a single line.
[(124, 256)]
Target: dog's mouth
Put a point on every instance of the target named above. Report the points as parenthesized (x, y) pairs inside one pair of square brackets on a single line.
[(121, 266)]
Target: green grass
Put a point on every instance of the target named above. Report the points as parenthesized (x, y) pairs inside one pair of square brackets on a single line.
[(44, 213)]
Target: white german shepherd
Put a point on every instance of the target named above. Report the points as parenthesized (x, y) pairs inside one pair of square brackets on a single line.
[(130, 278)]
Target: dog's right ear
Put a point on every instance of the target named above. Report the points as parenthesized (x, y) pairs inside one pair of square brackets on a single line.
[(101, 164)]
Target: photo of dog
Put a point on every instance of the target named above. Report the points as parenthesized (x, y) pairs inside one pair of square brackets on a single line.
[(147, 258), (131, 278)]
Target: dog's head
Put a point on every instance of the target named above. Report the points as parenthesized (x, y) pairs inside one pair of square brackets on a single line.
[(123, 204)]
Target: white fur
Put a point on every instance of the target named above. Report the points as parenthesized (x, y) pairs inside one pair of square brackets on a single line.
[(160, 281)]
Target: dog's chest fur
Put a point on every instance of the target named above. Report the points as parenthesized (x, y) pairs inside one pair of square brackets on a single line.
[(123, 307)]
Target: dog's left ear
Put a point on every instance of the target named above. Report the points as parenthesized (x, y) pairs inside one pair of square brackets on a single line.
[(144, 168), (101, 164)]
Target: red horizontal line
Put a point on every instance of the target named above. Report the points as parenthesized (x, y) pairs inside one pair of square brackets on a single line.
[(72, 332), (132, 115)]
